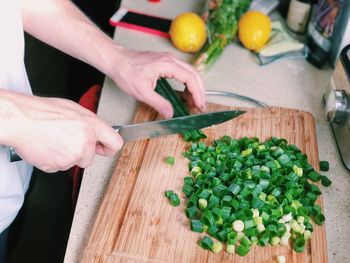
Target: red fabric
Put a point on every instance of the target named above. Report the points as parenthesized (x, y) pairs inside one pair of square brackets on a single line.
[(88, 100)]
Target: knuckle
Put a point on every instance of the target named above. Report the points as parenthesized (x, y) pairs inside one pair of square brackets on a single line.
[(75, 153)]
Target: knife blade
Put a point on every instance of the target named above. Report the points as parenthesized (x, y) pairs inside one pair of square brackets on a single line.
[(154, 129)]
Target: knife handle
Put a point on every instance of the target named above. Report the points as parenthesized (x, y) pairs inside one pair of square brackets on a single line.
[(13, 156)]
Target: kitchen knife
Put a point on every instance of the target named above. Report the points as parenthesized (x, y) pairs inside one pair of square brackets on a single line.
[(153, 129)]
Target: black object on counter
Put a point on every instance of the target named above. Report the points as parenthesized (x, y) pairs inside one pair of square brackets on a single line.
[(325, 30)]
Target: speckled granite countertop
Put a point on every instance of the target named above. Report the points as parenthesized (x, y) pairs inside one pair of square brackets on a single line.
[(288, 83)]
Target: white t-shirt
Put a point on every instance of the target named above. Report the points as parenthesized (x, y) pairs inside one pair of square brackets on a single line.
[(14, 177)]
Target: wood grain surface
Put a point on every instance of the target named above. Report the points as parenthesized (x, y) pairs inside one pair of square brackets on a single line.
[(136, 223)]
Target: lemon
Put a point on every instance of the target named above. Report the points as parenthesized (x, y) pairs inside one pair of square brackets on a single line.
[(187, 32), (254, 29)]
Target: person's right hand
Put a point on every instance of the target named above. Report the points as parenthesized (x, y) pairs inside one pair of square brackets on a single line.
[(56, 134), (137, 72)]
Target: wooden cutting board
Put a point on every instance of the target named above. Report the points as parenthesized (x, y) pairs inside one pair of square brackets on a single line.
[(136, 223)]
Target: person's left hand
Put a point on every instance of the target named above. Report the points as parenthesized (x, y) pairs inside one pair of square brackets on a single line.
[(137, 73)]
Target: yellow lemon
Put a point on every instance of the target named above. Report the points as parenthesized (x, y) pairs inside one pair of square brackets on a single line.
[(254, 29), (187, 32)]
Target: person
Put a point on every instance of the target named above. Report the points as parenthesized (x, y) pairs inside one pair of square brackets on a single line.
[(54, 134)]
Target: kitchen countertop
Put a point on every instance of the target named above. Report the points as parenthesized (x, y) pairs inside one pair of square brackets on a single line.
[(286, 83)]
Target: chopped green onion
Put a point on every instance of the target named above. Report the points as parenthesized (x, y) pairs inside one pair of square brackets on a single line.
[(238, 226), (324, 166), (300, 219), (284, 241), (314, 176), (288, 217), (295, 226), (240, 235), (274, 241), (246, 152), (217, 247), (230, 249), (196, 226), (265, 216), (187, 190), (234, 189), (205, 228), (205, 194), (261, 228), (283, 160), (191, 212), (173, 198), (170, 160), (251, 232), (222, 235), (299, 244), (206, 242), (255, 212), (307, 234), (168, 193), (232, 238), (245, 241), (319, 219), (281, 259), (264, 239), (202, 203), (281, 229), (208, 218), (248, 224), (196, 170), (242, 250), (325, 181), (254, 240), (258, 220), (298, 170)]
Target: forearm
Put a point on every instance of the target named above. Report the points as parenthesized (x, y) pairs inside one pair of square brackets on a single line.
[(62, 25), (9, 116)]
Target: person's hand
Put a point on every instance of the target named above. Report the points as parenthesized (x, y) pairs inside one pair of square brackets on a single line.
[(137, 73), (56, 134)]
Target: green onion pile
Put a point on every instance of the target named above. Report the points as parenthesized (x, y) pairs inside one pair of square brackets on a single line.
[(245, 192)]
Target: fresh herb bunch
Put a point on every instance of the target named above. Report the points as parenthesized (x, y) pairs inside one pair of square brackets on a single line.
[(221, 19), (245, 192)]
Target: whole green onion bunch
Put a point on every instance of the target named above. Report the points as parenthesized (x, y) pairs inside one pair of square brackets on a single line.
[(164, 89), (246, 192), (221, 17)]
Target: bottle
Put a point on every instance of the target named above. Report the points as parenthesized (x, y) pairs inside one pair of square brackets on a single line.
[(298, 15)]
